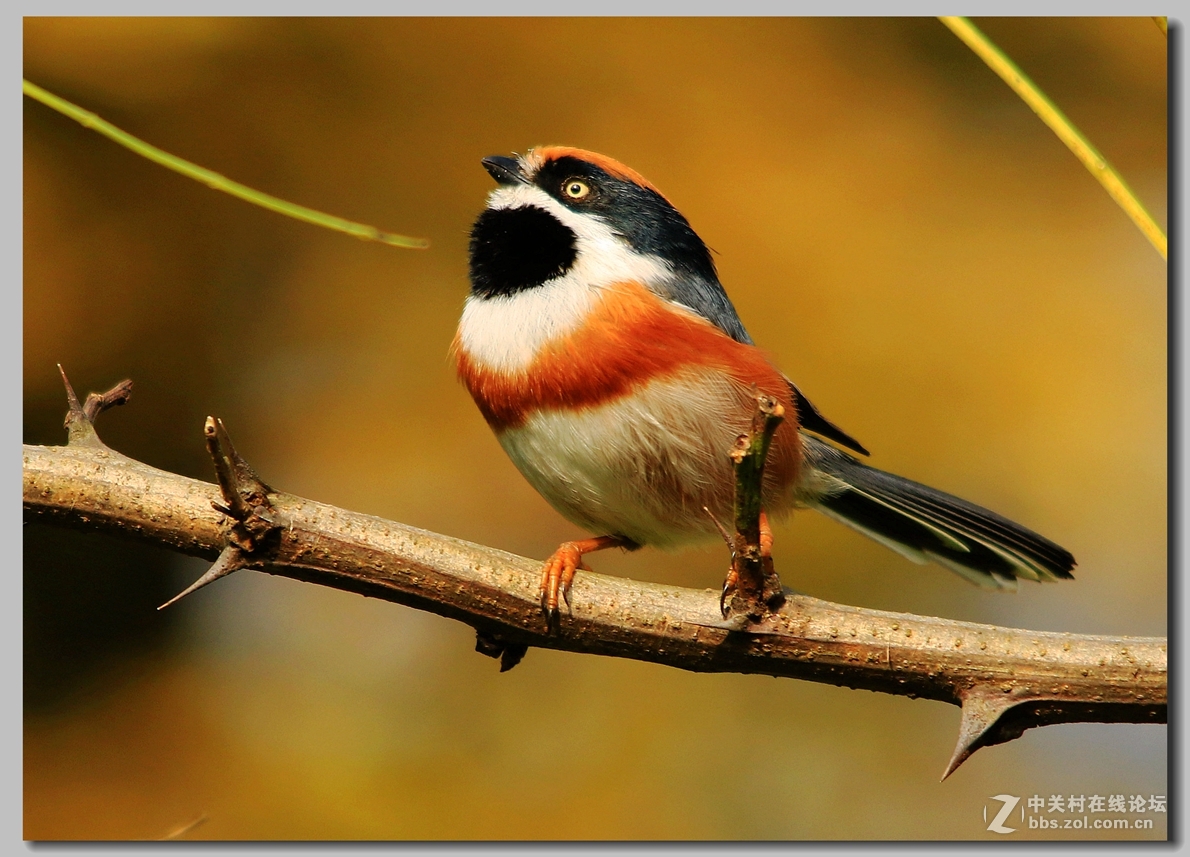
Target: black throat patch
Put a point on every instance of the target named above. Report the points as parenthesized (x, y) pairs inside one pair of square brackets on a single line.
[(513, 249)]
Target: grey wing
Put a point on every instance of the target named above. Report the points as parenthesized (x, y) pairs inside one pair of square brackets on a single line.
[(708, 299)]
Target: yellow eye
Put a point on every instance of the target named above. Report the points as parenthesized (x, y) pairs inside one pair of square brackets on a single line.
[(575, 188)]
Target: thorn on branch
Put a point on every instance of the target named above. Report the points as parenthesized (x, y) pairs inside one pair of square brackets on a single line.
[(231, 559), (752, 587), (80, 419), (981, 725), (245, 500)]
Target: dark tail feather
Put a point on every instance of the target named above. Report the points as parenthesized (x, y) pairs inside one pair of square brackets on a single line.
[(924, 524)]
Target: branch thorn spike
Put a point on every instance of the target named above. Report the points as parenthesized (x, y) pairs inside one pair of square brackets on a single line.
[(230, 560), (982, 711), (71, 399), (79, 429)]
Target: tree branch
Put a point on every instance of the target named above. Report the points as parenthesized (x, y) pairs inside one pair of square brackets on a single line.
[(1006, 680)]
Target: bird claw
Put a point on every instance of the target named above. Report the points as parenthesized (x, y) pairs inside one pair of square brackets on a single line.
[(729, 584), (558, 572), (557, 575)]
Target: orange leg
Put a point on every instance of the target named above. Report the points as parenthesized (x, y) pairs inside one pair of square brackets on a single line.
[(558, 572), (766, 536)]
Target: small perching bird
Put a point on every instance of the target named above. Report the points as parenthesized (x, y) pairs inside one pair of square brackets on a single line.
[(602, 350)]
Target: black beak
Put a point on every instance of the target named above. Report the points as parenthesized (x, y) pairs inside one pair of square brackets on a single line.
[(506, 171)]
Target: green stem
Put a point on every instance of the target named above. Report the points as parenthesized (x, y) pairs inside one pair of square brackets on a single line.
[(214, 180), (749, 475), (750, 454), (1060, 125)]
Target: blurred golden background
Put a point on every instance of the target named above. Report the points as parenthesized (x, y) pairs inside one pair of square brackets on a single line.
[(921, 254)]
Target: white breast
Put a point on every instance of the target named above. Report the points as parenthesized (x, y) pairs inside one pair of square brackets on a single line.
[(643, 466), (505, 333)]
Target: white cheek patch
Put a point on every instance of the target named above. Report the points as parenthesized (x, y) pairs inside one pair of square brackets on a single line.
[(520, 195), (605, 259), (505, 332)]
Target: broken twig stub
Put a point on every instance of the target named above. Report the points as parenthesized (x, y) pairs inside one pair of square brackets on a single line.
[(752, 587), (246, 501)]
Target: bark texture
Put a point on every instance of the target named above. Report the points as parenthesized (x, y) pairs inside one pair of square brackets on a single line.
[(1006, 680)]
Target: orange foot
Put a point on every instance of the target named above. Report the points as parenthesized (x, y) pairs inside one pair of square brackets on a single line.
[(558, 572)]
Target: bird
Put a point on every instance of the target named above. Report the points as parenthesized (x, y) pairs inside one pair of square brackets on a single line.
[(601, 348)]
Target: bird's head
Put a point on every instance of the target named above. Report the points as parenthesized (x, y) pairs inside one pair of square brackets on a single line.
[(568, 213)]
